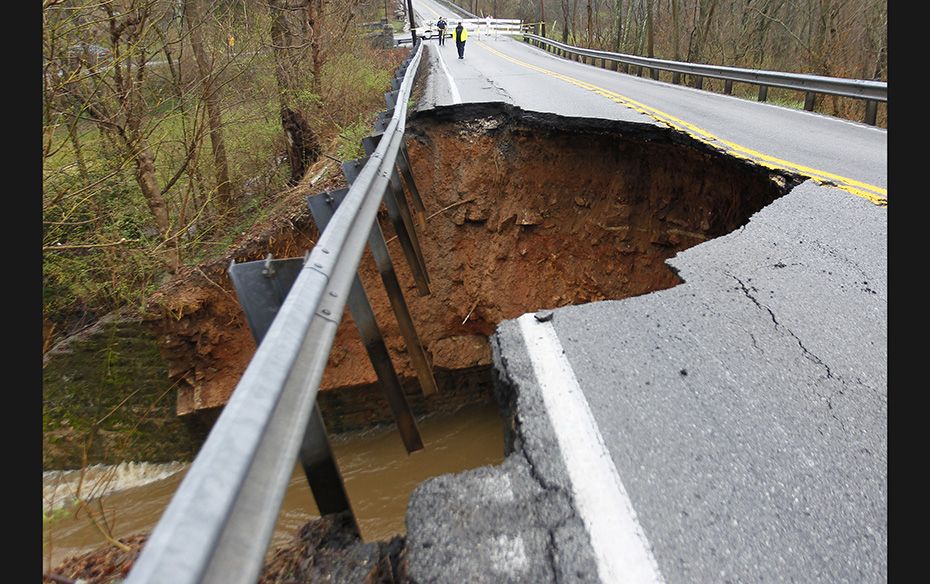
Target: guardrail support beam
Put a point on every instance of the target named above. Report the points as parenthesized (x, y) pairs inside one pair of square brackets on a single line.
[(728, 86), (698, 82), (320, 470), (261, 287), (415, 350), (402, 163), (763, 92), (871, 112), (403, 225), (322, 208), (809, 97), (390, 98)]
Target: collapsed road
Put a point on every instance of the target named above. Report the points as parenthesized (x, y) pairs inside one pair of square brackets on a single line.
[(730, 424), (725, 420)]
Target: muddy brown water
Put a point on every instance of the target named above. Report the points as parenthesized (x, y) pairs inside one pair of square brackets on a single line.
[(378, 473)]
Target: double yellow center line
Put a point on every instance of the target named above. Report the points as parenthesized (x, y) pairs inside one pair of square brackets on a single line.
[(872, 193)]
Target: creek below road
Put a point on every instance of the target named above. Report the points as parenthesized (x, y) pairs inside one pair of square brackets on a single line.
[(379, 476)]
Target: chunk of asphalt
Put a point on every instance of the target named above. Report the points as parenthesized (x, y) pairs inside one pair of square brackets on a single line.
[(543, 315)]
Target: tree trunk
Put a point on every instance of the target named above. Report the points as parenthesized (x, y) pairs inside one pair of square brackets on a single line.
[(78, 153), (194, 18), (566, 18), (542, 17), (649, 41), (589, 31), (303, 147), (574, 21), (627, 41), (696, 51), (279, 41), (619, 15), (148, 184), (676, 48), (315, 24)]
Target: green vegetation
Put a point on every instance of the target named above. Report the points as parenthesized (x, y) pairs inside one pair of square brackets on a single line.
[(133, 188)]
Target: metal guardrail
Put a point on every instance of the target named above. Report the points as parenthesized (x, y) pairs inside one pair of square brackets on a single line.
[(871, 91), (219, 523)]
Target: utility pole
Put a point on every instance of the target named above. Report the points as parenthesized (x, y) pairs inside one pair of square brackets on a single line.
[(413, 33), (542, 18)]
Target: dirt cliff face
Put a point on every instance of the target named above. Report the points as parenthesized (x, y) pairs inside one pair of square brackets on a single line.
[(524, 211), (201, 330)]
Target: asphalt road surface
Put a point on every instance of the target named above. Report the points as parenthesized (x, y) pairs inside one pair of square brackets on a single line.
[(730, 429)]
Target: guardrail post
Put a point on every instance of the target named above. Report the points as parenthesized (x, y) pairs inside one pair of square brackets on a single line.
[(654, 73), (871, 111), (379, 252), (402, 162), (403, 226), (322, 208), (763, 92), (639, 70), (261, 287), (809, 100), (698, 82), (615, 65), (390, 98), (728, 86), (382, 120), (676, 77), (626, 68)]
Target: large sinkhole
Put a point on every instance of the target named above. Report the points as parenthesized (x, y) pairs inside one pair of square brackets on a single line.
[(525, 211), (531, 210)]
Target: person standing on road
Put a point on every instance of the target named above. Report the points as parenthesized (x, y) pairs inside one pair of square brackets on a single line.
[(441, 25), (460, 35)]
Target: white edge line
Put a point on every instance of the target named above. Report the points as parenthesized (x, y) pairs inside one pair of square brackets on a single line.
[(456, 98), (621, 550)]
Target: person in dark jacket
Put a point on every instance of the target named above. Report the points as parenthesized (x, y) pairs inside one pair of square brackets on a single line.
[(441, 25), (460, 35)]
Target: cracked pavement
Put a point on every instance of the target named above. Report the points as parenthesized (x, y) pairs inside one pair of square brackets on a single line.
[(745, 411)]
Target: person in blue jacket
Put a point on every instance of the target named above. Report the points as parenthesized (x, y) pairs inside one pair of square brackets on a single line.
[(441, 25)]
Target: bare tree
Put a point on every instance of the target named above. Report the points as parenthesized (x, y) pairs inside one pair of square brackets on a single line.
[(107, 85), (193, 15), (566, 20), (302, 144)]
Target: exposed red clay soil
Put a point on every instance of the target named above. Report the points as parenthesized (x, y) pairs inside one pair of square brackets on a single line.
[(525, 211)]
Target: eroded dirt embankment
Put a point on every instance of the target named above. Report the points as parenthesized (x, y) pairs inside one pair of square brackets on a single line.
[(526, 211)]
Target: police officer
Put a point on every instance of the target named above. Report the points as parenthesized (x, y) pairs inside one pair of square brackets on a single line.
[(441, 25)]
